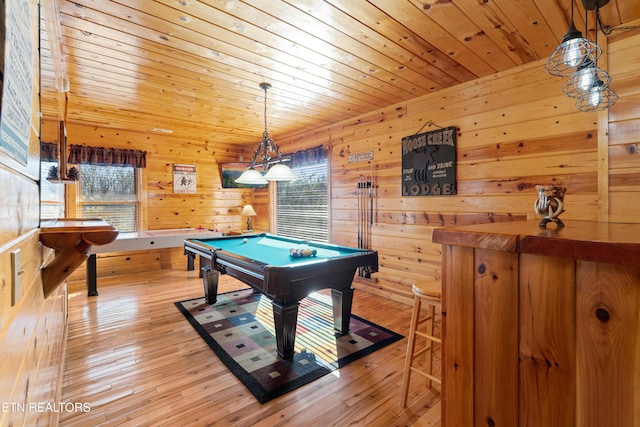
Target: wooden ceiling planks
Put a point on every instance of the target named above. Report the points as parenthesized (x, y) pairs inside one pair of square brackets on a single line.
[(194, 66)]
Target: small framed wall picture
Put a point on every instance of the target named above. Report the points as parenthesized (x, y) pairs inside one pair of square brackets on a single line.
[(184, 178), (229, 172)]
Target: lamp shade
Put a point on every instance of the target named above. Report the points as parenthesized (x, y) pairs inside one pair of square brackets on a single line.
[(570, 54), (581, 82), (599, 97), (280, 172), (247, 210), (251, 176)]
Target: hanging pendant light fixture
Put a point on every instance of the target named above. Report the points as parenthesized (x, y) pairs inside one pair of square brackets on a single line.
[(581, 82), (577, 59), (593, 83), (572, 52), (598, 97), (267, 156)]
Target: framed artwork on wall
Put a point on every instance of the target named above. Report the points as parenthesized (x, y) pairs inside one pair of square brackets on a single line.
[(229, 172)]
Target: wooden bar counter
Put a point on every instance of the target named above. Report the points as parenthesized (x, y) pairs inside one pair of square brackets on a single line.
[(541, 327)]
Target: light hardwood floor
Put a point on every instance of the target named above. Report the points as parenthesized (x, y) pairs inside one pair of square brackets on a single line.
[(135, 360)]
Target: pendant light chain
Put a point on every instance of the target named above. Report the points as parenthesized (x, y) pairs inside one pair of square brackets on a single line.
[(265, 86)]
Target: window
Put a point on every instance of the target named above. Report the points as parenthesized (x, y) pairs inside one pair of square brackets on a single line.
[(109, 193), (51, 194), (302, 206), (109, 184)]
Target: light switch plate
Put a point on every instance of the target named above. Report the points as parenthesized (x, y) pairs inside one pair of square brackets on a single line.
[(16, 281)]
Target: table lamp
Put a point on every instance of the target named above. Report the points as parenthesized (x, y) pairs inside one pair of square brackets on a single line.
[(248, 211)]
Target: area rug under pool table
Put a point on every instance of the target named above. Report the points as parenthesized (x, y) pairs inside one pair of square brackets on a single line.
[(239, 330)]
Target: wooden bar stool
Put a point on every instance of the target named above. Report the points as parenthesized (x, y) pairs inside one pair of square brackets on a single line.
[(429, 293)]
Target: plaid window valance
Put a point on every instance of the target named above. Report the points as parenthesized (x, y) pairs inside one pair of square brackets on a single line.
[(81, 154), (309, 156), (49, 151)]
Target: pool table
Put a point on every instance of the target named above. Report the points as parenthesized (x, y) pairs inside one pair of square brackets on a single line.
[(264, 262)]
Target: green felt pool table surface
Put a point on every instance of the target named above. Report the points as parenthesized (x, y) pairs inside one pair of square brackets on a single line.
[(275, 250)]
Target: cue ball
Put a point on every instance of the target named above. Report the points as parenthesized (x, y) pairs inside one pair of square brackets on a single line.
[(245, 240)]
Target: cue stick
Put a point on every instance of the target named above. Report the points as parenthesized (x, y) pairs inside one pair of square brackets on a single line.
[(359, 212), (371, 194), (359, 219)]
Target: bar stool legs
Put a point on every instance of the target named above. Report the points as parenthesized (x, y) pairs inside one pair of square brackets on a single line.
[(429, 293)]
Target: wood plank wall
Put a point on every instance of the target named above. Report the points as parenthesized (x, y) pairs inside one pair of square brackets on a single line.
[(623, 151), (210, 207), (33, 330)]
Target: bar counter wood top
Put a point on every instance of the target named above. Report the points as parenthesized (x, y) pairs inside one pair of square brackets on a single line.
[(541, 326)]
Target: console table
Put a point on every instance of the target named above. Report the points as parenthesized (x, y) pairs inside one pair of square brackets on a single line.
[(144, 240), (541, 327)]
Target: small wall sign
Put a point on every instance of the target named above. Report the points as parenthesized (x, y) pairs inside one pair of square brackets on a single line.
[(429, 163), (364, 156), (184, 178)]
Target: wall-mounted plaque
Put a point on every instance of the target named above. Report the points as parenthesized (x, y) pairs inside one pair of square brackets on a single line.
[(429, 163), (184, 178), (16, 80), (360, 157)]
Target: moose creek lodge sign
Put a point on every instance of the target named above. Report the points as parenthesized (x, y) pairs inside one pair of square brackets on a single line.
[(429, 163)]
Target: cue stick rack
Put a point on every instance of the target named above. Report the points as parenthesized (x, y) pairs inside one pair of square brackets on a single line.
[(365, 195)]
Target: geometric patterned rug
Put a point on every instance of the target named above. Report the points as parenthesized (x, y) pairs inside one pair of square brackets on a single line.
[(239, 329)]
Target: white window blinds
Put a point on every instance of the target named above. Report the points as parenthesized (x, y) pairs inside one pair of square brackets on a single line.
[(302, 209), (110, 193)]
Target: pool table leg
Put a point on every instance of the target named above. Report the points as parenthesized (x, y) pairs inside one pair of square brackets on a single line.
[(341, 302), (285, 318), (210, 279)]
